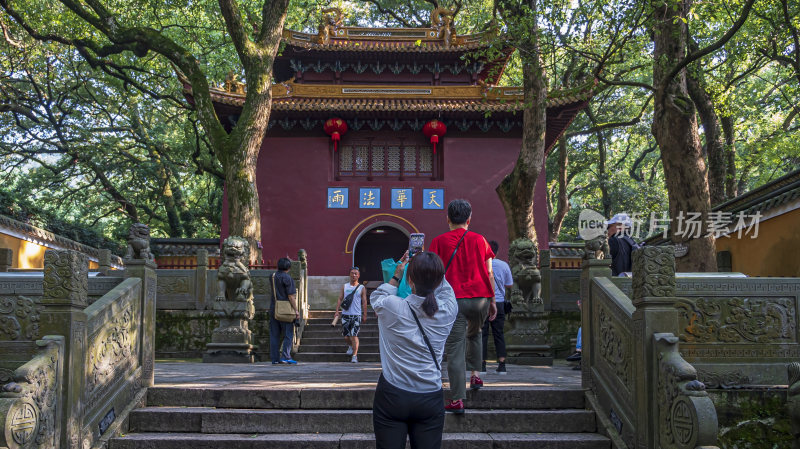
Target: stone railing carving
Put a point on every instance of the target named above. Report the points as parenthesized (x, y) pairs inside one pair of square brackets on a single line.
[(104, 351), (793, 401), (686, 416), (738, 332), (30, 410), (646, 395)]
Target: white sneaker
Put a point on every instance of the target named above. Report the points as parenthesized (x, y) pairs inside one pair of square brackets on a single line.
[(354, 359), (349, 350)]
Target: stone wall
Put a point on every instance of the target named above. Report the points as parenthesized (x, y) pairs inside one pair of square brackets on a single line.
[(185, 317)]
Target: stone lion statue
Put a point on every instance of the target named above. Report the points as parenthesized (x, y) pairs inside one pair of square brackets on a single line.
[(139, 243), (793, 401), (523, 258), (233, 277), (596, 248)]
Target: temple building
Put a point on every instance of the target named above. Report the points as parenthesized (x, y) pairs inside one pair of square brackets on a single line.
[(374, 130)]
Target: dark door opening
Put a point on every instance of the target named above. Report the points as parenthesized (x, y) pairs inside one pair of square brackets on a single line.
[(377, 244)]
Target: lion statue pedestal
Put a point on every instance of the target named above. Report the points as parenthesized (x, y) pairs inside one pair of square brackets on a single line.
[(230, 342), (527, 339)]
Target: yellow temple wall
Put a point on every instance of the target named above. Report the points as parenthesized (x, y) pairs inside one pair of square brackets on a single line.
[(775, 252), (28, 255)]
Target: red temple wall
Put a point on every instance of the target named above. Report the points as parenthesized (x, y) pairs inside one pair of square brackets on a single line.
[(294, 174)]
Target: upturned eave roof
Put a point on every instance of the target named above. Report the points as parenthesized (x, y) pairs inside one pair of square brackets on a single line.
[(342, 97)]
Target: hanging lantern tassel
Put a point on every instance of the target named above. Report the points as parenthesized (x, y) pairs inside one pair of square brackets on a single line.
[(434, 129), (335, 127)]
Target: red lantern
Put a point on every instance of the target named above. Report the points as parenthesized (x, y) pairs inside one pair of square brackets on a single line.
[(434, 129), (335, 127)]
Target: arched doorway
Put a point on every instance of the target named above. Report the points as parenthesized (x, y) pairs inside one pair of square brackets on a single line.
[(375, 245)]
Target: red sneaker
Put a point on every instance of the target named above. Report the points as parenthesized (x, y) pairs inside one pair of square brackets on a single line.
[(456, 407), (475, 383)]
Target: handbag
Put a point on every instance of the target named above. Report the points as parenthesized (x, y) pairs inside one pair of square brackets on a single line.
[(348, 300), (283, 309)]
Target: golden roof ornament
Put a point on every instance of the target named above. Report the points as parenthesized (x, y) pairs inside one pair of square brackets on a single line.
[(329, 24), (233, 85), (442, 21)]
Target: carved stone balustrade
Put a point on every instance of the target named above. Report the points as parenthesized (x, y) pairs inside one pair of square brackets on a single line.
[(793, 402), (645, 393)]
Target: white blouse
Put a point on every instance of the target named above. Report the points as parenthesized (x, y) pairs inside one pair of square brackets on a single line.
[(405, 359)]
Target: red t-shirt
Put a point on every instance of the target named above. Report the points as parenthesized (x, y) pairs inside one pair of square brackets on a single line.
[(467, 273)]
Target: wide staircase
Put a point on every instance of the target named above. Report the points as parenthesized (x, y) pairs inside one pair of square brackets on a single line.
[(322, 342), (341, 418)]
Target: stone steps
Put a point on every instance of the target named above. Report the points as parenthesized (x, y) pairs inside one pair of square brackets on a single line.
[(302, 356), (540, 398), (354, 441), (322, 342), (339, 348), (341, 418), (214, 420)]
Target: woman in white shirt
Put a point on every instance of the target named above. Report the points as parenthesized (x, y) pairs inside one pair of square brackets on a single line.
[(409, 398)]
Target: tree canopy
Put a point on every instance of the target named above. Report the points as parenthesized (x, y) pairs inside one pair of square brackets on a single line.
[(94, 128)]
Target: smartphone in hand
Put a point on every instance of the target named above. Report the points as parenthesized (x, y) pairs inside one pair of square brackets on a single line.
[(415, 243)]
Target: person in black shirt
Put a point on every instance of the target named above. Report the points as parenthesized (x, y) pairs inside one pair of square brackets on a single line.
[(284, 291), (620, 243)]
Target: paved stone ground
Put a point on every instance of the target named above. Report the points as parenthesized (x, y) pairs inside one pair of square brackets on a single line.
[(191, 374)]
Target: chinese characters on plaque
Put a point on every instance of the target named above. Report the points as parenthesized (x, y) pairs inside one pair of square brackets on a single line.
[(370, 198), (338, 197)]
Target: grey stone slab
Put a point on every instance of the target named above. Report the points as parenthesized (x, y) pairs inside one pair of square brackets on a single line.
[(198, 441), (224, 398), (327, 375), (287, 421), (339, 398), (167, 420), (210, 420), (549, 441)]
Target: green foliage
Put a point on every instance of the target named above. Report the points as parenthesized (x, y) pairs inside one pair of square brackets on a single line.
[(99, 147)]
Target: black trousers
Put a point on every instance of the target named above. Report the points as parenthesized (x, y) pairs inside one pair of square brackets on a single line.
[(497, 332), (397, 413)]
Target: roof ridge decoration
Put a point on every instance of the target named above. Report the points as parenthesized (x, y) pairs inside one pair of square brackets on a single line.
[(441, 35)]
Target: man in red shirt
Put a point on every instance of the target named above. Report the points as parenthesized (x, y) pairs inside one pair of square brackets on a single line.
[(468, 269)]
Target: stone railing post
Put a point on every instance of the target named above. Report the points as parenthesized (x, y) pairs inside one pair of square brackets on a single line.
[(201, 278), (684, 413), (65, 296), (104, 261), (591, 268), (653, 295), (6, 259), (140, 263), (666, 384), (793, 402)]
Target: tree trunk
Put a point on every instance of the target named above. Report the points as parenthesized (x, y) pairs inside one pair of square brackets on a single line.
[(516, 191), (601, 174), (711, 130), (675, 130), (731, 189), (562, 206)]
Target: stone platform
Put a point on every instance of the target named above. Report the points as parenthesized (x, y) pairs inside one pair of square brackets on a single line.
[(337, 375)]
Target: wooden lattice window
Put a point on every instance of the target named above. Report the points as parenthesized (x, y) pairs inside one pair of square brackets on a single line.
[(384, 158)]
